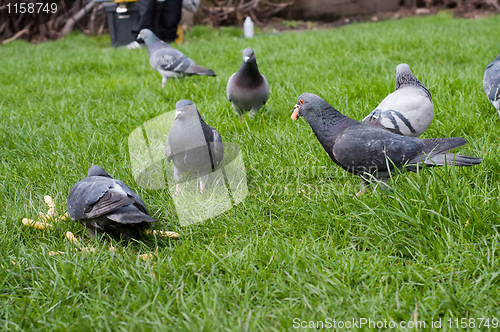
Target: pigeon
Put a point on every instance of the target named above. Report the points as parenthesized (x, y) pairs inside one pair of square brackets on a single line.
[(408, 111), (168, 61), (491, 82), (247, 89), (105, 205), (194, 147), (371, 152)]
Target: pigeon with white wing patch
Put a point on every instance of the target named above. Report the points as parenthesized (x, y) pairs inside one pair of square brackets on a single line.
[(168, 61), (408, 111), (491, 83)]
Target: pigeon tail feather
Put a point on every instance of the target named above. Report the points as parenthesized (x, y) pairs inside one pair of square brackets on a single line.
[(199, 70), (452, 159), (435, 146), (129, 215), (111, 200)]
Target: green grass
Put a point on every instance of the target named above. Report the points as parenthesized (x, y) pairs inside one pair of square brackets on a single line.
[(299, 245)]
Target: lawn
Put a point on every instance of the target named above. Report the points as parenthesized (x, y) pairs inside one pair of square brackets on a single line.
[(299, 246)]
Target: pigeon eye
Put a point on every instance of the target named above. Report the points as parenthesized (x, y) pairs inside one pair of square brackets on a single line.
[(187, 107), (301, 101)]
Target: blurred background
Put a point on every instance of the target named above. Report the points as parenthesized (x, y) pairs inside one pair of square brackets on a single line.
[(115, 17)]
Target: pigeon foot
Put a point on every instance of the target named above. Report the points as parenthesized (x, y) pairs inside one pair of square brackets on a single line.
[(201, 187), (361, 192), (363, 189)]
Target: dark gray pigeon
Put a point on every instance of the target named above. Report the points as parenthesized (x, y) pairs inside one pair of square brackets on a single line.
[(247, 89), (105, 205), (194, 147), (368, 151), (491, 82), (408, 110), (168, 61)]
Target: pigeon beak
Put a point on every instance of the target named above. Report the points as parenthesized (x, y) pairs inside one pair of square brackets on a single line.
[(246, 59), (178, 114), (295, 112)]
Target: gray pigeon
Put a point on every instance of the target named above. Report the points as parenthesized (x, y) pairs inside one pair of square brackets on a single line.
[(194, 147), (408, 110), (369, 151), (491, 82), (168, 61), (106, 205), (247, 89)]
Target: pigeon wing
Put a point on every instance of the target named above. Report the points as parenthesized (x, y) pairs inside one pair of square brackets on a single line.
[(138, 202), (217, 148), (129, 214), (95, 196), (491, 81), (363, 148), (170, 59), (375, 118), (168, 151), (214, 141)]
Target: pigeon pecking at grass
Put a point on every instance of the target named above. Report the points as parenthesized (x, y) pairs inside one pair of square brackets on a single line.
[(372, 152), (247, 89), (408, 110), (194, 147), (105, 205), (491, 83), (168, 61)]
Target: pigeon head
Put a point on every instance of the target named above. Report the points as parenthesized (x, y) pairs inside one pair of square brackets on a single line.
[(308, 104), (97, 170), (248, 55), (182, 106), (147, 36), (402, 69), (183, 103), (404, 77)]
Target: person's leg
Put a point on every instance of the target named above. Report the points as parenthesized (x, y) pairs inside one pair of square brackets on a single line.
[(146, 17), (170, 17)]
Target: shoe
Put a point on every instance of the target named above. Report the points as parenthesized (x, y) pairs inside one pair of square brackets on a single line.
[(134, 45)]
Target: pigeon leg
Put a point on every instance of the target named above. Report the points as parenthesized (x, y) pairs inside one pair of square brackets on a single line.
[(201, 186), (236, 110), (384, 184), (253, 112), (203, 182), (163, 82), (177, 178), (90, 232)]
